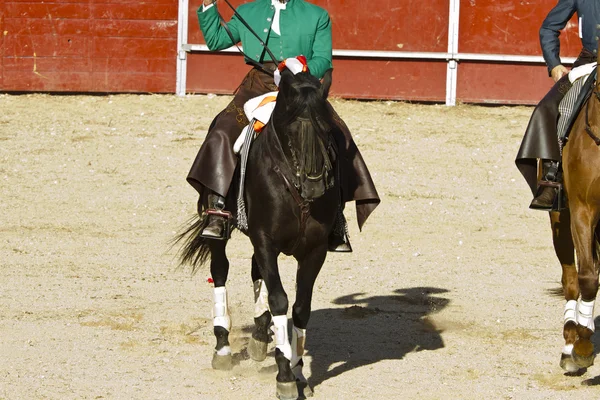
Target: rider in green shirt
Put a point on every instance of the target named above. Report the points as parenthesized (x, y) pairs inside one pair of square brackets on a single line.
[(289, 28)]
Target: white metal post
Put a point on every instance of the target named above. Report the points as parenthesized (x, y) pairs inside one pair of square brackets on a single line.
[(182, 38), (452, 67)]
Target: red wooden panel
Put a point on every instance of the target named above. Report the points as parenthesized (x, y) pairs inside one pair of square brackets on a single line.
[(132, 65), (387, 25), (59, 82), (2, 23), (398, 80), (50, 10), (37, 26), (134, 28), (134, 48), (215, 73), (135, 11), (119, 3), (89, 82), (128, 82), (353, 78), (408, 25), (510, 27), (194, 33), (502, 83), (47, 65), (46, 45)]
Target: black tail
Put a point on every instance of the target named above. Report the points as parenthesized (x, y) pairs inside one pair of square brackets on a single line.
[(194, 251)]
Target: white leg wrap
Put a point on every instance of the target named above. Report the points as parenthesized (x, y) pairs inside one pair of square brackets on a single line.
[(585, 314), (261, 298), (568, 349), (298, 340), (223, 351), (571, 311), (282, 341), (221, 310)]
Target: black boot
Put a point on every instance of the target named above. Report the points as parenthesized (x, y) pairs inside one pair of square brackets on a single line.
[(217, 226), (339, 241), (547, 187)]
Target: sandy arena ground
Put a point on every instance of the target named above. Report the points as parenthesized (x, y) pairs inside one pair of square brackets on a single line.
[(450, 292)]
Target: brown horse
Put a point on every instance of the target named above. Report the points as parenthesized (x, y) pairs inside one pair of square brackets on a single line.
[(575, 231)]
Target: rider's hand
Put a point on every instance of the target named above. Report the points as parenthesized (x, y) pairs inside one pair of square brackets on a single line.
[(558, 72)]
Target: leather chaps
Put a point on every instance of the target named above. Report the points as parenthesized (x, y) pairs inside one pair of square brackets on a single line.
[(215, 163), (541, 137)]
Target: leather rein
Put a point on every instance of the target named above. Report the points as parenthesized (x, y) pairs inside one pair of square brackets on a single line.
[(588, 127), (251, 61)]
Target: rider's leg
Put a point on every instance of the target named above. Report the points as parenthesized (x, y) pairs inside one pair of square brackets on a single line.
[(544, 200), (215, 227), (339, 241)]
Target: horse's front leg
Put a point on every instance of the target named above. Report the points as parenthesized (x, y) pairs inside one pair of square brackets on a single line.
[(266, 258), (583, 223), (219, 269), (565, 251), (308, 269)]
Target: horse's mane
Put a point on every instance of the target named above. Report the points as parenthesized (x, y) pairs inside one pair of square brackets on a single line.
[(304, 99), (303, 115)]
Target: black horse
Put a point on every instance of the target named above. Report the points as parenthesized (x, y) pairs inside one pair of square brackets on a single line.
[(292, 194)]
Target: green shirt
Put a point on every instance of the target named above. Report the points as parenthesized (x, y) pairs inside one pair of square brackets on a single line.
[(305, 30)]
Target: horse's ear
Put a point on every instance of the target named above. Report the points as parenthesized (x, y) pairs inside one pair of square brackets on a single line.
[(285, 85), (326, 83)]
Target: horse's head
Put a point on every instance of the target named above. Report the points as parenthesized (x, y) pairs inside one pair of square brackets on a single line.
[(303, 97), (303, 121)]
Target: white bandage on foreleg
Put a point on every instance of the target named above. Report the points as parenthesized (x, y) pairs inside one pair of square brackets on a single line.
[(585, 314), (282, 341), (220, 310), (568, 349), (261, 298), (298, 340), (571, 311)]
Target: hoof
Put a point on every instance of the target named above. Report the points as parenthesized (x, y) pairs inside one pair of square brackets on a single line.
[(257, 350), (304, 390), (222, 363), (287, 391), (583, 361), (568, 364)]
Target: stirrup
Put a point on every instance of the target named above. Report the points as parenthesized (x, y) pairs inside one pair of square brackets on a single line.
[(227, 223), (559, 198)]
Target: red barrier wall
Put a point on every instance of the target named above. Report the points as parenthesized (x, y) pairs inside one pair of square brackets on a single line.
[(126, 46), (506, 27), (390, 26), (89, 46)]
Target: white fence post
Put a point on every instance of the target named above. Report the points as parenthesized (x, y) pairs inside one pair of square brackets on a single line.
[(182, 38)]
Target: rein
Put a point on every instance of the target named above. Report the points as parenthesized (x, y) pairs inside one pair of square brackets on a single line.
[(251, 61), (302, 203), (588, 127)]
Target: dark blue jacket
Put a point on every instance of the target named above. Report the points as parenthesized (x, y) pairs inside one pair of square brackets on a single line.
[(588, 12)]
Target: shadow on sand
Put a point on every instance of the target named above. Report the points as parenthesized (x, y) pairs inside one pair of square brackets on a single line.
[(372, 329)]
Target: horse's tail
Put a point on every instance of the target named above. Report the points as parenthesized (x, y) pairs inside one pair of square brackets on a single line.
[(195, 250)]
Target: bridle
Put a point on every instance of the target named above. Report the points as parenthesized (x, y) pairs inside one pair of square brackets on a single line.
[(588, 127)]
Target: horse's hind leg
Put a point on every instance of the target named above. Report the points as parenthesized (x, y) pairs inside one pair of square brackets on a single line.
[(219, 269), (308, 269), (583, 222), (266, 259), (565, 251), (257, 347)]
